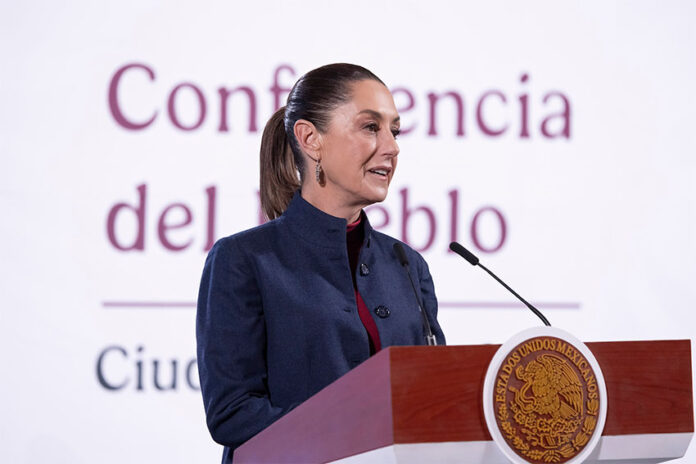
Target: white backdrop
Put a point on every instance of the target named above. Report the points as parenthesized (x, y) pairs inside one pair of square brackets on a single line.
[(598, 202)]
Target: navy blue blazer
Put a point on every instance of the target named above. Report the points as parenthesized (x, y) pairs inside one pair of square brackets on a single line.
[(277, 318)]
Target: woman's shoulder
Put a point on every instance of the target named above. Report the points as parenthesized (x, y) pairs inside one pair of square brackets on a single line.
[(250, 239)]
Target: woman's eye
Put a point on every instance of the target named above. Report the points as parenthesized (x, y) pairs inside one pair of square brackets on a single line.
[(372, 127), (396, 132)]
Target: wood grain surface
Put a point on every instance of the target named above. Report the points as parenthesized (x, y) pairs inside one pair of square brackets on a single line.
[(436, 392)]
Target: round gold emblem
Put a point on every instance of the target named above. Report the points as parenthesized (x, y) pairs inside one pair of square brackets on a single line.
[(546, 400)]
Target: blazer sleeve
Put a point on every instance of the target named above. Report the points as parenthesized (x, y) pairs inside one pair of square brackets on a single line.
[(429, 299), (231, 345)]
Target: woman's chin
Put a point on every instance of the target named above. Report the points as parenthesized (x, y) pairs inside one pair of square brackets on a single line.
[(378, 195)]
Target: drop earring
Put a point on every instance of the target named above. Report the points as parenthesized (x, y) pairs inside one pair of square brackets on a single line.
[(317, 172)]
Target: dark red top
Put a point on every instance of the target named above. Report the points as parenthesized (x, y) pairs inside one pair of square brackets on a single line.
[(354, 239)]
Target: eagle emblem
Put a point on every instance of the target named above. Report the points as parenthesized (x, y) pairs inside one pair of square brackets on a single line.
[(543, 405), (549, 404)]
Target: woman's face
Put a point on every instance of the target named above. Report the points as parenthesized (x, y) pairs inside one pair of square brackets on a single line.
[(359, 149)]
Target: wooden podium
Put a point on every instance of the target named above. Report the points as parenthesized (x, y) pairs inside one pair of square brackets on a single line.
[(424, 404)]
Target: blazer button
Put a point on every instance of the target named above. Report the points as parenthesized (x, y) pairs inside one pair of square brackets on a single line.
[(364, 270), (382, 311)]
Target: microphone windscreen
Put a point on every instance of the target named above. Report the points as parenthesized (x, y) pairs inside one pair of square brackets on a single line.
[(464, 253), (400, 254)]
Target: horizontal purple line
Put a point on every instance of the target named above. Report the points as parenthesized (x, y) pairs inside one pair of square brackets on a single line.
[(148, 304), (504, 305), (441, 304)]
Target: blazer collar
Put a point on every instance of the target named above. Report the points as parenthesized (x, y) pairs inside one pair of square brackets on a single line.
[(319, 227)]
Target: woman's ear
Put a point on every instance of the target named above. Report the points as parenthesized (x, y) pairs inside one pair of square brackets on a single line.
[(309, 138)]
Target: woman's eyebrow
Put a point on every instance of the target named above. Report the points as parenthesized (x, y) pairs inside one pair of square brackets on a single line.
[(378, 115)]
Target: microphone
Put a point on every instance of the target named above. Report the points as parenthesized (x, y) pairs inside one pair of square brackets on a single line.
[(401, 255), (474, 261)]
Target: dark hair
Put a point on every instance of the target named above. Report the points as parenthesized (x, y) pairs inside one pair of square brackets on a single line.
[(312, 98)]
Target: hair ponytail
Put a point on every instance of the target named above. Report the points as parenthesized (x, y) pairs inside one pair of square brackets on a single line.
[(279, 173)]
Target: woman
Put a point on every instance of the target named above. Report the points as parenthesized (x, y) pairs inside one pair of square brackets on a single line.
[(290, 306)]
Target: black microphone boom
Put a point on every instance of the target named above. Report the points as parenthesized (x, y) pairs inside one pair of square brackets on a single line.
[(474, 261), (401, 255)]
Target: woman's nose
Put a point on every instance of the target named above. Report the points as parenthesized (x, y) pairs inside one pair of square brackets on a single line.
[(388, 144)]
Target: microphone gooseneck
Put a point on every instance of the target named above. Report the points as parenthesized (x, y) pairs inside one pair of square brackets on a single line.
[(474, 261), (403, 260)]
